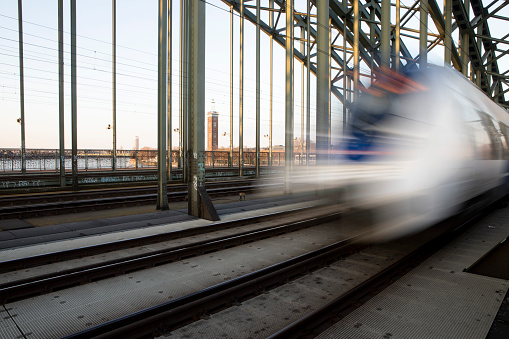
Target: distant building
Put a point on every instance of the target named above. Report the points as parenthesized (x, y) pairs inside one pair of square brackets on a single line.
[(136, 143), (212, 127)]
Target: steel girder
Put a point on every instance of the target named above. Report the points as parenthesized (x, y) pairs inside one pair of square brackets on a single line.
[(491, 79), (337, 15), (280, 38)]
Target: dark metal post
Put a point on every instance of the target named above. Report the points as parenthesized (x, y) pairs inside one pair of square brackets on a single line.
[(323, 84), (114, 80), (241, 92), (257, 160), (21, 87), (61, 106), (74, 100), (289, 95), (162, 180), (169, 78), (199, 203), (423, 34), (308, 88), (231, 87)]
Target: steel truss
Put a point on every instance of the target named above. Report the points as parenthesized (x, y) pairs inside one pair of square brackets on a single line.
[(476, 54)]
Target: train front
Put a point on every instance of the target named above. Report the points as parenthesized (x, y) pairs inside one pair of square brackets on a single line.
[(405, 151)]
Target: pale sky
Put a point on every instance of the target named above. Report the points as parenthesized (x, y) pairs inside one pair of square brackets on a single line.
[(137, 74)]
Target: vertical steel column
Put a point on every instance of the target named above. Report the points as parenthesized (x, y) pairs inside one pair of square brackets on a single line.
[(231, 86), (184, 73), (61, 107), (257, 88), (271, 45), (181, 86), (464, 44), (385, 50), (345, 30), (21, 87), (185, 112), (74, 100), (196, 115), (301, 96), (355, 49), (396, 37), (289, 96), (169, 79), (329, 131), (114, 80), (447, 31), (241, 91), (322, 83), (308, 81), (162, 180), (479, 46), (423, 34), (372, 33)]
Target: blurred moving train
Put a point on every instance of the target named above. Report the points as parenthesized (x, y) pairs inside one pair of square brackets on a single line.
[(420, 146)]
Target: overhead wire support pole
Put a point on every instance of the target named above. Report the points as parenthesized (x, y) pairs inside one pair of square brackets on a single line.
[(61, 106), (114, 84), (199, 203), (447, 31), (162, 180), (302, 46), (241, 92), (397, 37), (479, 46), (345, 28), (21, 87), (271, 55), (308, 82), (183, 88), (231, 86), (289, 96), (329, 109), (169, 79), (355, 49), (185, 112), (385, 50), (322, 83), (423, 34), (257, 171), (74, 98), (464, 43)]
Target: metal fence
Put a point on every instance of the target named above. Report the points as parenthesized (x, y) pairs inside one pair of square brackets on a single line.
[(92, 160)]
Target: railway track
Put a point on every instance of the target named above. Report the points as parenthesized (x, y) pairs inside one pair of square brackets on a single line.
[(55, 278), (172, 316), (26, 206)]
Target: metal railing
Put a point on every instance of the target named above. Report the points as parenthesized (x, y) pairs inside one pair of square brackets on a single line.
[(92, 160)]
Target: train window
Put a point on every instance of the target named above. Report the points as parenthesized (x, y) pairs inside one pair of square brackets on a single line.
[(494, 135), (504, 131), (485, 146)]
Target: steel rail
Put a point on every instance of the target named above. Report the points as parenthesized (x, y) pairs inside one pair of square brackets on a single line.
[(320, 319), (23, 199), (52, 257), (181, 310), (67, 278), (61, 207)]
